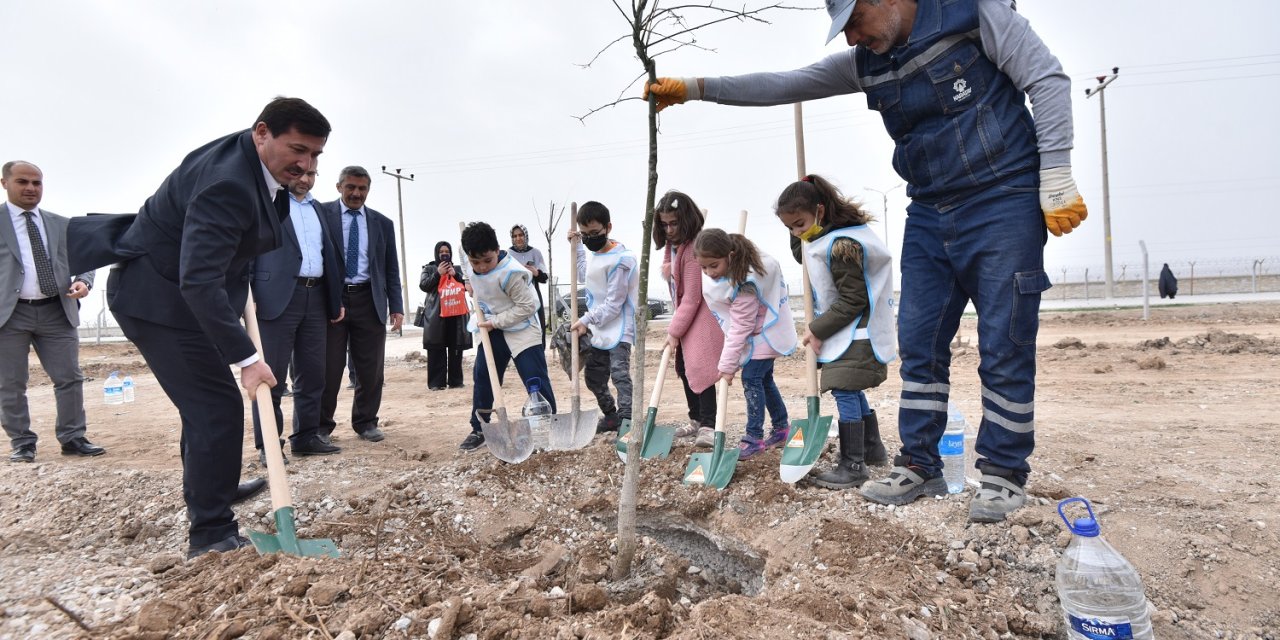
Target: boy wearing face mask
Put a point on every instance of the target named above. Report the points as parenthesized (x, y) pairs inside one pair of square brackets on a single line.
[(612, 286)]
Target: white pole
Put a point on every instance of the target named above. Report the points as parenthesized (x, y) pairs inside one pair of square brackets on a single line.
[(1146, 283)]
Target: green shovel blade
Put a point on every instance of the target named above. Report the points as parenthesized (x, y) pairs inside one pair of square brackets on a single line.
[(713, 469), (657, 440), (286, 539), (804, 444)]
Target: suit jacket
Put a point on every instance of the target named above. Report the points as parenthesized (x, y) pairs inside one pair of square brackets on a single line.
[(274, 274), (384, 263), (184, 259), (11, 272)]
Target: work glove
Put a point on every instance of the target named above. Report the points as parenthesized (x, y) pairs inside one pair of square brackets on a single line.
[(1061, 203), (672, 91)]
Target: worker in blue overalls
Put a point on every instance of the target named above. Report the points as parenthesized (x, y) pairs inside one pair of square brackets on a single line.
[(950, 78)]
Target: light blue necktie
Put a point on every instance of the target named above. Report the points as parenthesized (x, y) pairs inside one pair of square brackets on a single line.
[(353, 245)]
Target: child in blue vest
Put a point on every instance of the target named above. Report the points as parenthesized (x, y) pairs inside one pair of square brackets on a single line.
[(851, 273), (747, 294), (504, 291), (612, 282)]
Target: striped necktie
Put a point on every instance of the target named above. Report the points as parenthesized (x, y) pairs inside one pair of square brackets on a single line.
[(44, 266)]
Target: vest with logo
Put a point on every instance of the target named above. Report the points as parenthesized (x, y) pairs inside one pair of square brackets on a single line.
[(490, 293), (877, 324), (958, 123), (600, 268), (779, 329)]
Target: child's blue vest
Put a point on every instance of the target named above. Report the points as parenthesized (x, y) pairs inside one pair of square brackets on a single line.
[(958, 123)]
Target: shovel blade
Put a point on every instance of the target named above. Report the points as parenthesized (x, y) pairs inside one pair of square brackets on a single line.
[(508, 440), (573, 430), (286, 540), (804, 446), (624, 438), (713, 469), (657, 440), (699, 469)]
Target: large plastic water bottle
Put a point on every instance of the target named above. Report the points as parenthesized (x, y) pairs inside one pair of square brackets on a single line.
[(538, 411), (1100, 592), (971, 473), (127, 389), (113, 389), (951, 448)]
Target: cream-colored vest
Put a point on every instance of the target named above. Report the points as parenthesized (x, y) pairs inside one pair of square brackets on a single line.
[(779, 330), (600, 267), (877, 271)]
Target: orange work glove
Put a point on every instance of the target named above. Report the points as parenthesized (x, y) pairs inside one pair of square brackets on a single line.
[(672, 91), (1061, 203)]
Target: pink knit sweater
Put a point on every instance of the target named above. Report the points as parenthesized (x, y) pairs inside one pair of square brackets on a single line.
[(700, 336)]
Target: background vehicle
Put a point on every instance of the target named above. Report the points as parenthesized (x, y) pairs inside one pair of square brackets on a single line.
[(657, 306)]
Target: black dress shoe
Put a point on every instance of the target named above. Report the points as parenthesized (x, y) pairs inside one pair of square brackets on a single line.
[(440, 388), (249, 489), (25, 453), (456, 386), (325, 438), (230, 543), (314, 447), (372, 435), (81, 447)]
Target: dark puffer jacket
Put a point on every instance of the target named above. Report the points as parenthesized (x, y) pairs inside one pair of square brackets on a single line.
[(857, 369)]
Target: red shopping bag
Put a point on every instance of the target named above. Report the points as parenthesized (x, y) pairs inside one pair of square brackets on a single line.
[(453, 298)]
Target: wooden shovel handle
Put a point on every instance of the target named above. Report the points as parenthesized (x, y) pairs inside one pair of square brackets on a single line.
[(742, 222), (573, 303), (499, 402), (810, 354), (656, 395), (722, 403), (276, 479)]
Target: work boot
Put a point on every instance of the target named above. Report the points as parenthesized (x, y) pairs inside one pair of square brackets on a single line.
[(903, 485), (850, 471), (996, 498), (875, 455)]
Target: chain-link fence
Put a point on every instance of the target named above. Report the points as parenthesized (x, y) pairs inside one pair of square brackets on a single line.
[(1234, 275)]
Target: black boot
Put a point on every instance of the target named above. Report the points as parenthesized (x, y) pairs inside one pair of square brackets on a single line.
[(850, 472), (875, 455)]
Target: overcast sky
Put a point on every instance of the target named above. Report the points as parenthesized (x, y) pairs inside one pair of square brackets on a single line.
[(477, 99)]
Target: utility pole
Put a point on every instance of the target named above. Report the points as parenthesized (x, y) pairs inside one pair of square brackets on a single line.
[(884, 196), (404, 269), (1103, 81)]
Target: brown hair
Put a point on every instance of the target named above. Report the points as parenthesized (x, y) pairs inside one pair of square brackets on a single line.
[(742, 253), (813, 190), (688, 217)]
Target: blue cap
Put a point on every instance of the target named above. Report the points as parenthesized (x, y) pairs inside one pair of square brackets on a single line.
[(839, 10), (1086, 526)]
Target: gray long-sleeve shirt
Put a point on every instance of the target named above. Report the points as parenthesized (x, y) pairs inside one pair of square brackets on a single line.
[(1007, 40)]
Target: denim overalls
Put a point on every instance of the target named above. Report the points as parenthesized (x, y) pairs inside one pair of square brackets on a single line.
[(966, 145)]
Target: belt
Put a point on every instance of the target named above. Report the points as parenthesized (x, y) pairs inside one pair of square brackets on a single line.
[(310, 282), (360, 286), (39, 301)]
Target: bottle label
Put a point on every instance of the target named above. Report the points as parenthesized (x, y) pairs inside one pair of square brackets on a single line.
[(1100, 628), (952, 444)]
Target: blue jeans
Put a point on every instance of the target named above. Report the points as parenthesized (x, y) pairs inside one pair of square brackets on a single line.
[(851, 405), (531, 364), (762, 394), (988, 249)]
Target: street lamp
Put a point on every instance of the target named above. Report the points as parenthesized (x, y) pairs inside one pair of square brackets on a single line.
[(884, 195)]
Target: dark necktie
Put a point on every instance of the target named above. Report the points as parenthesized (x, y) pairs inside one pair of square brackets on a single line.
[(44, 267), (353, 245), (282, 203)]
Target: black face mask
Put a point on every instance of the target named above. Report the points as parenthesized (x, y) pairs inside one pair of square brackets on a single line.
[(596, 242)]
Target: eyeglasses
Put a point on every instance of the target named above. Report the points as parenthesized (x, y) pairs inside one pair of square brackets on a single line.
[(593, 235)]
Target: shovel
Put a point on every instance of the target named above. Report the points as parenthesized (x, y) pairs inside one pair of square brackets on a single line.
[(575, 430), (656, 441), (808, 436), (714, 469), (508, 440), (286, 538)]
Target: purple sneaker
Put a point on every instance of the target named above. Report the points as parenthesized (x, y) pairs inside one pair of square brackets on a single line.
[(776, 438), (749, 447)]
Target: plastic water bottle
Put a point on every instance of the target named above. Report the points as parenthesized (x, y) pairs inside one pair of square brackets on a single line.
[(538, 411), (971, 473), (113, 389), (126, 389), (1100, 592), (951, 448)]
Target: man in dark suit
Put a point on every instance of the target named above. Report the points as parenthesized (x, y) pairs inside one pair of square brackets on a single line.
[(181, 285), (370, 285), (297, 290), (38, 309)]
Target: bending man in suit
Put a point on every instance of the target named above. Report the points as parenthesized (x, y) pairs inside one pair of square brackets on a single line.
[(181, 286), (370, 285), (38, 309), (296, 288)]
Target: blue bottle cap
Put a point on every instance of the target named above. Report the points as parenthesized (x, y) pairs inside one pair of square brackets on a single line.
[(1087, 526), (533, 386)]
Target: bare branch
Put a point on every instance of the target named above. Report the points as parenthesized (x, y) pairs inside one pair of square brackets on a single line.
[(733, 15), (602, 107), (599, 53)]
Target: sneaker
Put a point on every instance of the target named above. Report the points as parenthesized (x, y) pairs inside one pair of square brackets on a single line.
[(687, 430), (609, 422), (777, 437), (706, 437), (903, 486), (749, 447), (474, 441), (996, 498)]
